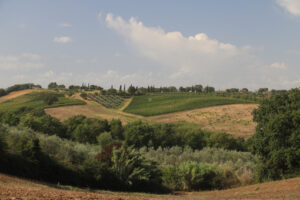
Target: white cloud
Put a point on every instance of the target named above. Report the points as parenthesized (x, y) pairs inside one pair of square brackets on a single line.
[(63, 39), (186, 60), (26, 61), (278, 65), (65, 25), (196, 58), (292, 6)]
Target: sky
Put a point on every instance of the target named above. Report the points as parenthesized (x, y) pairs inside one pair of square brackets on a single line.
[(225, 44)]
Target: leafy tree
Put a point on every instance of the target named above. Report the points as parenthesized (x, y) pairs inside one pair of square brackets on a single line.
[(116, 129), (139, 134), (44, 123), (2, 92), (52, 85), (131, 90), (277, 137), (226, 141), (86, 131), (104, 139)]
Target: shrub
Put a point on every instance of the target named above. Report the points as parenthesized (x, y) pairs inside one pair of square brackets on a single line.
[(83, 95), (226, 141), (193, 176), (50, 99), (133, 169)]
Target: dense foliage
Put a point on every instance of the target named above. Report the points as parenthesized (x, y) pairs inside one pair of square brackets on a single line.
[(277, 138)]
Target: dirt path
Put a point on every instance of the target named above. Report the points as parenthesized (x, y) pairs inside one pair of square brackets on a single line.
[(127, 102), (20, 189), (15, 94), (234, 119)]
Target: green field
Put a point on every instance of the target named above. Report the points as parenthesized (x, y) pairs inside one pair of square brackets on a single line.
[(35, 100), (156, 104)]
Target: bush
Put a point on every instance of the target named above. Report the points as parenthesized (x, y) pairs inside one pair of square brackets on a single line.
[(193, 176), (226, 141), (134, 170), (50, 99), (83, 95)]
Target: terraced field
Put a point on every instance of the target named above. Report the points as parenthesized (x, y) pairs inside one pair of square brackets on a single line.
[(150, 105), (108, 101)]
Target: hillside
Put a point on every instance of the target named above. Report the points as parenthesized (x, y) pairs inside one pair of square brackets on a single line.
[(150, 105), (15, 94), (16, 188), (235, 119), (34, 100)]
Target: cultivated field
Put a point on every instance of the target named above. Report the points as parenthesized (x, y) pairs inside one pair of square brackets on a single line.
[(149, 105), (91, 109), (108, 101), (16, 188)]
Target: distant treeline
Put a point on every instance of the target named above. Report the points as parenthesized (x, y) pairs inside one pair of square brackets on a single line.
[(135, 90), (18, 87)]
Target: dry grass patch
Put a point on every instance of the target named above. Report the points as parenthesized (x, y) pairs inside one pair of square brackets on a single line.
[(15, 94), (234, 119)]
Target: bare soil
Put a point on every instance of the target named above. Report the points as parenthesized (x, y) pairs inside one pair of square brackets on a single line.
[(20, 189)]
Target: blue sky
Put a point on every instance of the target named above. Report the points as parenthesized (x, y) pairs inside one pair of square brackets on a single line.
[(226, 44)]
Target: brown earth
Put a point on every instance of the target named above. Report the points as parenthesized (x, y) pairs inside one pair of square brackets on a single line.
[(234, 119), (20, 189), (16, 94)]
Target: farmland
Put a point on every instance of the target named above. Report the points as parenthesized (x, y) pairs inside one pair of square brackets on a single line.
[(108, 101), (35, 100), (149, 105)]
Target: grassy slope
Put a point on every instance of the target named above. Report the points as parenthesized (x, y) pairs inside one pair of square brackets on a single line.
[(35, 100), (150, 105)]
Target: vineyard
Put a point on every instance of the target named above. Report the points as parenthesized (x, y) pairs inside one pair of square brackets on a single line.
[(108, 101)]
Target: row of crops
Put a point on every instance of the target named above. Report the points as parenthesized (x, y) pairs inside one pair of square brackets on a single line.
[(108, 101)]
